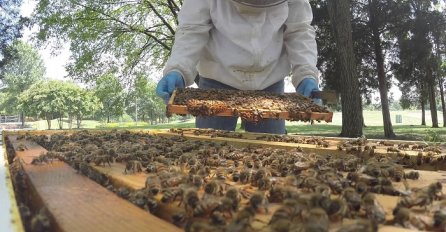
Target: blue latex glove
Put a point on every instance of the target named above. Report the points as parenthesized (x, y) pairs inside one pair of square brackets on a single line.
[(168, 84), (306, 87)]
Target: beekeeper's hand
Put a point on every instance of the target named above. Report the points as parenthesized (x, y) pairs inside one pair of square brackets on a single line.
[(306, 87), (168, 84)]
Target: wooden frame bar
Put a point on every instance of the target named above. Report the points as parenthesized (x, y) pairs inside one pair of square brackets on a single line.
[(270, 114), (10, 219), (76, 203)]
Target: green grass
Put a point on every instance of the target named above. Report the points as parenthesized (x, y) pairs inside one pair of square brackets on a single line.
[(409, 129)]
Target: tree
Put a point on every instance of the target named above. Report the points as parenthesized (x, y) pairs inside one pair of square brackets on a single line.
[(25, 68), (88, 104), (79, 103), (10, 26), (145, 102), (327, 61), (441, 75), (339, 12), (43, 99), (56, 99), (418, 64), (380, 17), (111, 94), (123, 37)]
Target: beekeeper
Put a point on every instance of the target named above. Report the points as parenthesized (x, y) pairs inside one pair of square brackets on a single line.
[(245, 45)]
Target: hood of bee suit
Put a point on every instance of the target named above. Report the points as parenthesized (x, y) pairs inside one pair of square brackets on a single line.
[(260, 3), (255, 6)]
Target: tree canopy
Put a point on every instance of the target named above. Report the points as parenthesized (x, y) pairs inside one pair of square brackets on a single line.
[(24, 69), (56, 99), (124, 37), (10, 25)]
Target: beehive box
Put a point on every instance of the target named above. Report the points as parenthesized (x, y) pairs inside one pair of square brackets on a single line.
[(94, 197)]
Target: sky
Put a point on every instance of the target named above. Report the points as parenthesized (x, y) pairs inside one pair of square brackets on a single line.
[(55, 62)]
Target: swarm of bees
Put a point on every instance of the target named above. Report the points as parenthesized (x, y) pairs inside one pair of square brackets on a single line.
[(216, 186), (249, 105)]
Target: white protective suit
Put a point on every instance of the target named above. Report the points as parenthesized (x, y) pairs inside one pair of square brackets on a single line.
[(244, 47)]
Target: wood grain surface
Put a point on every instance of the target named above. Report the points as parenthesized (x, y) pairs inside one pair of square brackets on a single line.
[(76, 203)]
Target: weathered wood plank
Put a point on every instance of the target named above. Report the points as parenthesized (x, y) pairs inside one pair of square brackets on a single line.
[(76, 203), (9, 213)]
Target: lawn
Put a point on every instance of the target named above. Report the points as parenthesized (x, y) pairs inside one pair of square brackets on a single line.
[(409, 129)]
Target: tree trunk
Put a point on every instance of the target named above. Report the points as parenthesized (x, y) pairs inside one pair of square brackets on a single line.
[(379, 59), (108, 118), (48, 121), (70, 121), (433, 104), (60, 123), (22, 117), (423, 110), (340, 16), (443, 106)]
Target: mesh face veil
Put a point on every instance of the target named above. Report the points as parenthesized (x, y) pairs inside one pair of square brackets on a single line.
[(260, 3)]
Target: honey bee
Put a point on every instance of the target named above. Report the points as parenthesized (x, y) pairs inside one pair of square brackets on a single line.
[(41, 159), (196, 181), (174, 181), (236, 176), (204, 171), (264, 183), (179, 219), (21, 147), (133, 166), (247, 161), (432, 149), (171, 194), (153, 185), (258, 200), (422, 197), (190, 200), (234, 194), (323, 189), (138, 198), (405, 218), (220, 173), (315, 219), (245, 176), (338, 209), (403, 146), (440, 216), (283, 213), (360, 225), (40, 222), (205, 207), (352, 198), (374, 210), (243, 220), (213, 188), (226, 206), (201, 226), (291, 180), (412, 175), (419, 146), (324, 144), (218, 219)]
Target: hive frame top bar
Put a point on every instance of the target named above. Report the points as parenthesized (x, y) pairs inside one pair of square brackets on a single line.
[(273, 114)]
